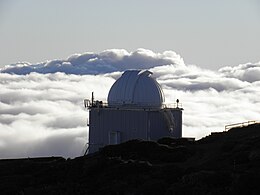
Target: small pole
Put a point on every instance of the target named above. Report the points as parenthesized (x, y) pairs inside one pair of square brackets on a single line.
[(92, 98)]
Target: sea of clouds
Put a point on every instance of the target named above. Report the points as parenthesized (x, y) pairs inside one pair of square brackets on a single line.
[(41, 105)]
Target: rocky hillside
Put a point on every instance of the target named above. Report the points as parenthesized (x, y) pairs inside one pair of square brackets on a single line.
[(222, 163)]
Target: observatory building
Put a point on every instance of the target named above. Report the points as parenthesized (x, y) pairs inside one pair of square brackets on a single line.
[(135, 109)]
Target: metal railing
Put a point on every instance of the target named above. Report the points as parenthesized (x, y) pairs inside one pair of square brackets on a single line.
[(243, 124), (172, 105), (102, 104)]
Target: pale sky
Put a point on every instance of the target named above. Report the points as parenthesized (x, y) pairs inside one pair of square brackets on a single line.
[(210, 34)]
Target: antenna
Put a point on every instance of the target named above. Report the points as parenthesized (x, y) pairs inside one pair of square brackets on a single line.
[(92, 98), (177, 101)]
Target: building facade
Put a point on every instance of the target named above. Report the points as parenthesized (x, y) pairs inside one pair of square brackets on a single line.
[(135, 110)]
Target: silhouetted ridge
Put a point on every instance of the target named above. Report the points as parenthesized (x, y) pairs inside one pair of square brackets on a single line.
[(222, 163)]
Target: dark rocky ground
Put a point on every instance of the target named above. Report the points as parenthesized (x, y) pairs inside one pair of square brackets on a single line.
[(222, 163)]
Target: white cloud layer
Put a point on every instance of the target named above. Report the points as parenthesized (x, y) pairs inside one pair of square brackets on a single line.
[(43, 114), (246, 72), (105, 62)]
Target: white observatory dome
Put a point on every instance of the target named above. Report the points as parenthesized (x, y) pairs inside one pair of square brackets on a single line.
[(136, 88)]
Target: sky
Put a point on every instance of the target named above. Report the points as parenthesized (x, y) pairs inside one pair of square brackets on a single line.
[(207, 33), (53, 54)]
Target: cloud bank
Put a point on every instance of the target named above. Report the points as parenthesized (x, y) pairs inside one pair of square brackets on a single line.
[(43, 114), (105, 62), (246, 72)]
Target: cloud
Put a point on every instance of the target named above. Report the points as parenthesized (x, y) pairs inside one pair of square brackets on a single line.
[(246, 72), (43, 114), (192, 78), (105, 62)]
